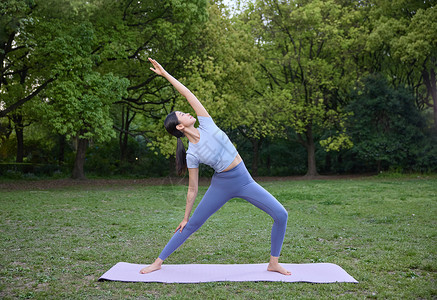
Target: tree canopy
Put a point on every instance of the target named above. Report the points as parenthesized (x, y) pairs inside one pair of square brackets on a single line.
[(321, 74)]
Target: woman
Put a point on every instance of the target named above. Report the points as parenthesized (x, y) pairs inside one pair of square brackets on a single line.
[(209, 145)]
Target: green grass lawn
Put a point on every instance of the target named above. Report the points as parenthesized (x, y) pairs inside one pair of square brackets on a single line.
[(56, 243)]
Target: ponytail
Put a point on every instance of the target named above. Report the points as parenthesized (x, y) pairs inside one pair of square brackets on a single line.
[(181, 158), (170, 123)]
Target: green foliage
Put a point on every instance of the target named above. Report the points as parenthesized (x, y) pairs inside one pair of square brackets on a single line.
[(406, 30), (402, 44), (13, 13), (14, 55), (221, 75), (267, 71), (78, 103), (386, 126), (420, 40), (103, 160), (337, 142), (309, 48), (82, 106), (168, 34)]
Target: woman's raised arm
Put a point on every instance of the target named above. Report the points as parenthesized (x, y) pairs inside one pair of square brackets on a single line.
[(194, 102)]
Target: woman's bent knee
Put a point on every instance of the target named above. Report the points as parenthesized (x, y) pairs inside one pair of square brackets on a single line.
[(282, 216)]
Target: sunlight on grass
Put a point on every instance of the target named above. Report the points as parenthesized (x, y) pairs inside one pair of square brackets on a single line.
[(56, 243)]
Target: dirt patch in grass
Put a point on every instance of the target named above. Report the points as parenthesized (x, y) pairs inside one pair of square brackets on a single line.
[(88, 183), (46, 184)]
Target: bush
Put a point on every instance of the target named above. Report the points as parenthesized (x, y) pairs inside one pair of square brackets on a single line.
[(386, 128)]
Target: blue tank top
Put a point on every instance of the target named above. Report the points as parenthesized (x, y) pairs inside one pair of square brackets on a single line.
[(213, 149)]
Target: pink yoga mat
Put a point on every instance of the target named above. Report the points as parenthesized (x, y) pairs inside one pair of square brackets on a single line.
[(195, 273)]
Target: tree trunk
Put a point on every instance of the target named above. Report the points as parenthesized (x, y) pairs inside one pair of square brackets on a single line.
[(61, 153), (434, 95), (19, 132), (311, 153), (20, 144), (126, 120), (124, 147), (269, 163), (256, 145), (79, 162), (429, 79), (122, 138)]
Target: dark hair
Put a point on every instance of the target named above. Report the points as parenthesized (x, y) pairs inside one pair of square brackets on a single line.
[(170, 123)]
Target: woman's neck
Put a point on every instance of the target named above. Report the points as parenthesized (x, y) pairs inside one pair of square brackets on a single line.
[(192, 134)]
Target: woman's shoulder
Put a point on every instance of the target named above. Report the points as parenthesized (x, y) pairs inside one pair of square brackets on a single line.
[(205, 122), (205, 119)]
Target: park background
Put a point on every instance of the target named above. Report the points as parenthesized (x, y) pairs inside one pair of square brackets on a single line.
[(301, 87)]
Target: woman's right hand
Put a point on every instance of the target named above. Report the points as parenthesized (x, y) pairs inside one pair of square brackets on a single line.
[(181, 226), (158, 68)]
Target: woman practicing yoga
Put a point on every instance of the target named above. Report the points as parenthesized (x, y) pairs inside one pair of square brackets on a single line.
[(211, 146)]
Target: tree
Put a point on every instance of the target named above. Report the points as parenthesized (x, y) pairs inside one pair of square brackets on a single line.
[(78, 103), (80, 108), (403, 40), (20, 79), (20, 68), (309, 48), (221, 74), (68, 50), (386, 126), (164, 30)]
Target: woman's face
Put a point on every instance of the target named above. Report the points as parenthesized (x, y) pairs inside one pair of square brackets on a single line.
[(185, 119)]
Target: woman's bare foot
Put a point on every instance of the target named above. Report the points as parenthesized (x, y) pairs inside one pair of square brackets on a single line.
[(274, 266), (153, 267)]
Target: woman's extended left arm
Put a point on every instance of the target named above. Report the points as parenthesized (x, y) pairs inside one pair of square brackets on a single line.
[(191, 196), (191, 98)]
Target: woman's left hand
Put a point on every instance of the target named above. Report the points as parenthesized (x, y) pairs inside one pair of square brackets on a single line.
[(181, 225)]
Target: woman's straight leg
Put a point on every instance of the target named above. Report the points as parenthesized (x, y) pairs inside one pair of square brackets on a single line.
[(213, 199)]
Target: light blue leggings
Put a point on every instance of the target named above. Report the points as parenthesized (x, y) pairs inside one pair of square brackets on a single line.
[(236, 183)]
